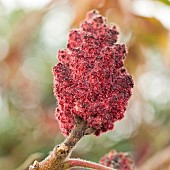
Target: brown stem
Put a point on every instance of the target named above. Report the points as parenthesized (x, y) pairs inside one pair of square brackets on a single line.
[(161, 160), (56, 158), (86, 164), (28, 161)]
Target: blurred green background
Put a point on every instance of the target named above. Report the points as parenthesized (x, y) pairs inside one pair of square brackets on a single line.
[(31, 32)]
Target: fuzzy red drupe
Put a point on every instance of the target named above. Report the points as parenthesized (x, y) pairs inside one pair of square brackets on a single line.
[(90, 80)]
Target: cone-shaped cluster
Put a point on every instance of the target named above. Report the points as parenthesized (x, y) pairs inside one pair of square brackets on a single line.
[(121, 161), (90, 79)]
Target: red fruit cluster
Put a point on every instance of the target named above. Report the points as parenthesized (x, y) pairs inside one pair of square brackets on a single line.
[(90, 80), (121, 161)]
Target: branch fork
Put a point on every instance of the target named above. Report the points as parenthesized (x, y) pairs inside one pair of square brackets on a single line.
[(57, 159)]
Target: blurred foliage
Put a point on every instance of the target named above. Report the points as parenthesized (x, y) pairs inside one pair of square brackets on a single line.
[(166, 2), (29, 40)]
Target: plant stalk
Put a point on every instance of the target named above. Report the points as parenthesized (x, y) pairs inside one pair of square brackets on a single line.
[(55, 160), (86, 164)]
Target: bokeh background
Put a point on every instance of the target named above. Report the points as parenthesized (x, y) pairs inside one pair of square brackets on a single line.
[(32, 31)]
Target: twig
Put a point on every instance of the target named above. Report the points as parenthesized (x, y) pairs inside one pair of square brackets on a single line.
[(29, 160), (56, 158), (157, 161), (86, 164)]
